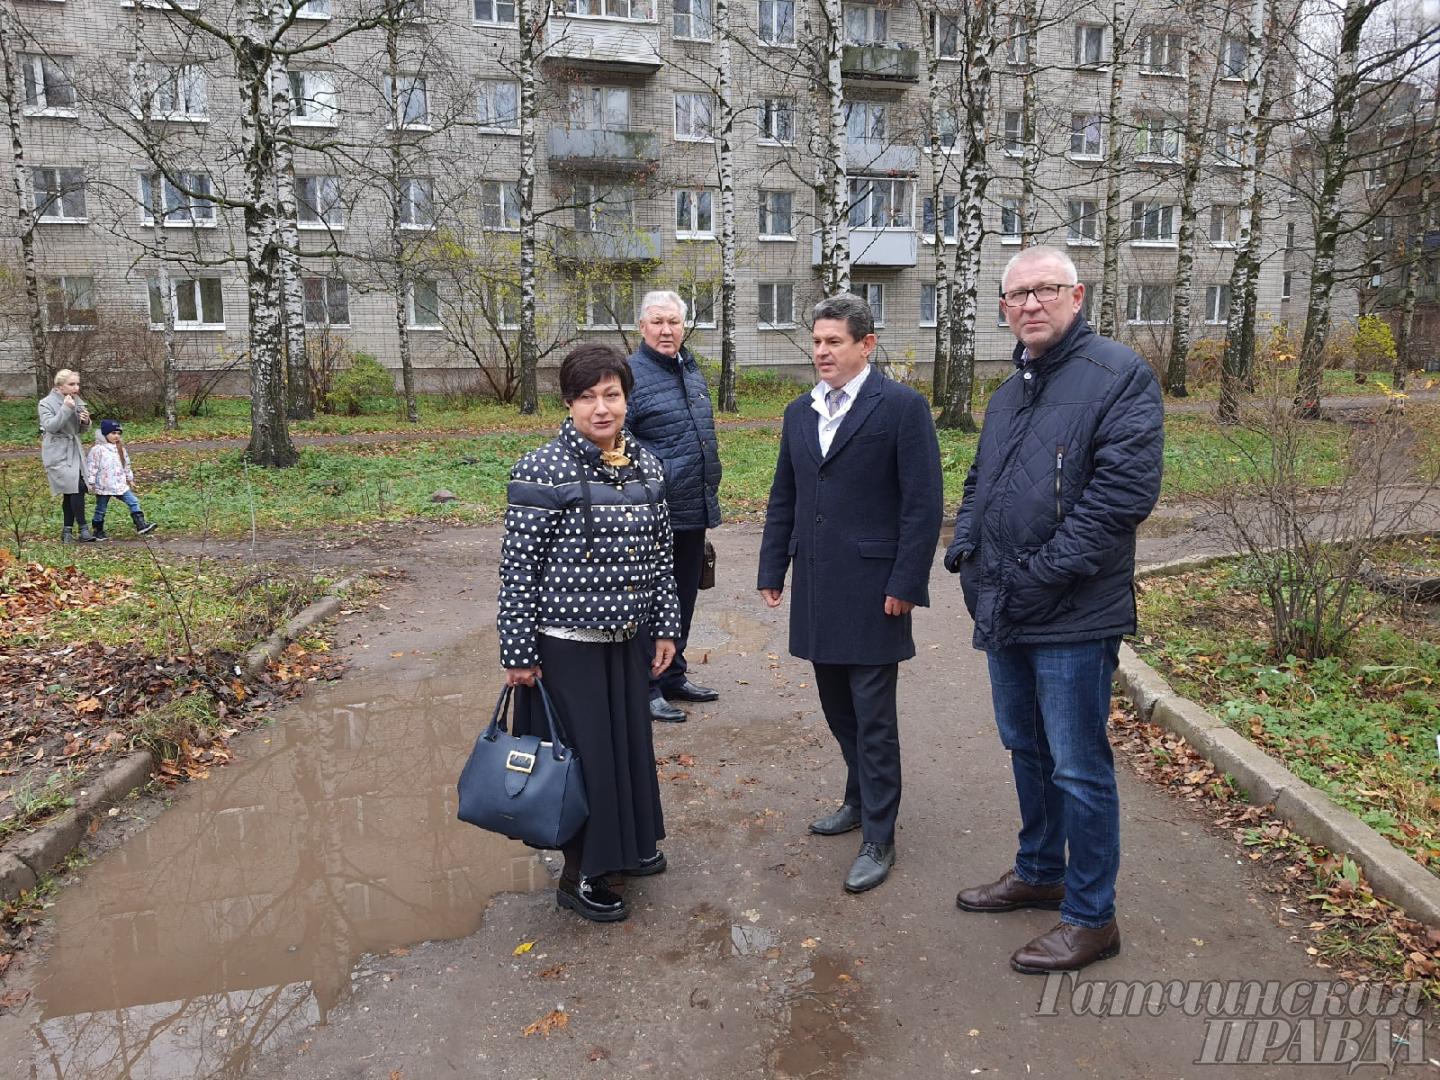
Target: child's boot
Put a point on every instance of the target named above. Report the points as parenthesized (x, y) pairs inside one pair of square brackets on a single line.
[(143, 527), (97, 529), (86, 536)]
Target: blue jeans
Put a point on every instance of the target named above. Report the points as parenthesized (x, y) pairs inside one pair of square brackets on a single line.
[(102, 503), (1052, 705)]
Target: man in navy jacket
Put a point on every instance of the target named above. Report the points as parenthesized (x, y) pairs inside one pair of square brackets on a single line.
[(855, 506), (1068, 466), (669, 414)]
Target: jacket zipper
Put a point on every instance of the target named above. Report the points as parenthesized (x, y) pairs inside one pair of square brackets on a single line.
[(1059, 471)]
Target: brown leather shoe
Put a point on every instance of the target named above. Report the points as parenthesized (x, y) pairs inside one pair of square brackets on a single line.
[(1009, 894), (1067, 948)]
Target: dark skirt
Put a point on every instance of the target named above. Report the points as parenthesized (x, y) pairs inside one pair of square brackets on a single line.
[(602, 693)]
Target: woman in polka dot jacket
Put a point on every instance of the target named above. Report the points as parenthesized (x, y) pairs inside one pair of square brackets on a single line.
[(588, 596)]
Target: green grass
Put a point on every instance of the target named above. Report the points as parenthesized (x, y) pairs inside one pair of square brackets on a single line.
[(32, 800), (1281, 381)]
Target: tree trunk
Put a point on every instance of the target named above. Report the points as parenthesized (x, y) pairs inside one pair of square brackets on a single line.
[(728, 281), (529, 114), (404, 281), (1114, 162), (300, 389), (1029, 122), (1197, 123), (24, 201), (836, 203), (939, 166), (1404, 361)]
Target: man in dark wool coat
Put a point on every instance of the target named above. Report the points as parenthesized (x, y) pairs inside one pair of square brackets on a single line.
[(855, 506)]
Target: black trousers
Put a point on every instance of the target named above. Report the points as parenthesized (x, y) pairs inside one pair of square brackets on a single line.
[(689, 563), (72, 506), (859, 705)]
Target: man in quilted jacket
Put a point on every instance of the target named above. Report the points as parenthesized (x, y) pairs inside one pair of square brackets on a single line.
[(1067, 468), (669, 414)]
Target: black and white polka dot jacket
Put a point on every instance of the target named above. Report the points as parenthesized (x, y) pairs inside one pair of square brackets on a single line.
[(586, 545)]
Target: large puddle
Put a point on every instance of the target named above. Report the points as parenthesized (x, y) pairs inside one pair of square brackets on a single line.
[(231, 924)]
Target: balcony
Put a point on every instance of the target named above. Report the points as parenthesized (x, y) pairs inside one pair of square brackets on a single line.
[(620, 246), (881, 157), (876, 247), (611, 45), (592, 150), (882, 62)]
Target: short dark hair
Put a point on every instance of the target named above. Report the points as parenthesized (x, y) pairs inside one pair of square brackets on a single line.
[(852, 309), (586, 365)]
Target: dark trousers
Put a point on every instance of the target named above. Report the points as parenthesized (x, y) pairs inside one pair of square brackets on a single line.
[(689, 562), (72, 506), (859, 705)]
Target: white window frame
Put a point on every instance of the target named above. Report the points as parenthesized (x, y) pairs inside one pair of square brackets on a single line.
[(323, 208), (1012, 136), (495, 18), (1083, 227), (776, 114), (1150, 127), (1287, 285), (198, 296), (690, 293), (765, 212), (500, 203), (1088, 122), (1164, 217), (69, 186), (1230, 45), (1229, 145), (318, 10), (315, 91), (1012, 219), (873, 293), (409, 205), (502, 299), (947, 127), (775, 31), (697, 205), (695, 23), (605, 209), (615, 10), (60, 286), (776, 289), (876, 24), (946, 32), (410, 287), (186, 85), (871, 195), (873, 116), (1135, 303), (487, 111), (1085, 33), (185, 5), (609, 305), (182, 211), (1019, 48), (1224, 221), (694, 116), (35, 87), (1162, 53), (933, 291), (950, 207), (1290, 236), (329, 285), (1217, 305), (408, 84), (592, 108)]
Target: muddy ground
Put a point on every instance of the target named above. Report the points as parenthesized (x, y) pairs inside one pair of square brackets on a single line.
[(314, 911)]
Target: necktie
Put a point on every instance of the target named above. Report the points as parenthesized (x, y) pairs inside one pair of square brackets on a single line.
[(833, 400)]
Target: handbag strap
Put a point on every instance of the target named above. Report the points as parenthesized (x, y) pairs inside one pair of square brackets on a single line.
[(500, 719)]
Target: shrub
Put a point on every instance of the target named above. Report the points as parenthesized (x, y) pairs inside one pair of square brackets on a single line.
[(1374, 344), (1203, 362), (360, 385)]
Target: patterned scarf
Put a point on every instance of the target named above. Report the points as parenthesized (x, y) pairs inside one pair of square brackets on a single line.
[(617, 458)]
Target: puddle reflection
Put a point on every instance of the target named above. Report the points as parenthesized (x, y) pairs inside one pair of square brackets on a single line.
[(232, 923)]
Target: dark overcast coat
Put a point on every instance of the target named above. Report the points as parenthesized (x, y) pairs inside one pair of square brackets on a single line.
[(669, 414)]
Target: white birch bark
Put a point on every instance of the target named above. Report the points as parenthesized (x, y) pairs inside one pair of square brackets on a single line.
[(729, 357), (24, 200), (1114, 162), (939, 166), (836, 203), (1029, 124), (1429, 180), (1197, 122), (300, 400), (529, 114), (403, 278)]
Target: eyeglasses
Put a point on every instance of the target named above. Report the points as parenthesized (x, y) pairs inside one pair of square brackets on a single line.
[(1043, 293)]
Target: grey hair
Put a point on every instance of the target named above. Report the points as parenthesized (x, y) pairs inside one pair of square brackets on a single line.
[(1043, 251), (663, 298), (859, 319), (64, 375)]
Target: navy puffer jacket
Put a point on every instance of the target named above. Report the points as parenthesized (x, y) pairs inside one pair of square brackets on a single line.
[(1068, 466), (669, 414)]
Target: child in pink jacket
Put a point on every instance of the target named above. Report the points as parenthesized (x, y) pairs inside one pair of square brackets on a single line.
[(108, 474)]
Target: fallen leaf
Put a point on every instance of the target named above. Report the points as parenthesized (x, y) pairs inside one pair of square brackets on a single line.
[(523, 948), (554, 1020), (12, 998), (973, 1032), (809, 943)]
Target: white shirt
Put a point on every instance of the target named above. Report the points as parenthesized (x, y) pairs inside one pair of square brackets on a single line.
[(831, 424)]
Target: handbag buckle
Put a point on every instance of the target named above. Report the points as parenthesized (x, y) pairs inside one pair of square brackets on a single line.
[(521, 762)]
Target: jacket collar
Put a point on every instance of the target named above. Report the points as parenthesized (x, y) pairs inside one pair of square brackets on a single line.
[(681, 359), (1058, 353), (579, 446)]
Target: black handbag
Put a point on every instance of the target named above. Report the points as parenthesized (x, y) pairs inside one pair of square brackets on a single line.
[(522, 787), (707, 567)]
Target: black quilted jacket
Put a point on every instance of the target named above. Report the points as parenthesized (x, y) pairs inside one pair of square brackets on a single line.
[(669, 413), (1068, 466)]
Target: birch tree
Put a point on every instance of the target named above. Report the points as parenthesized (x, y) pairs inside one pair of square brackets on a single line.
[(1428, 180), (531, 33), (24, 202), (939, 173), (1114, 163), (832, 195), (725, 100)]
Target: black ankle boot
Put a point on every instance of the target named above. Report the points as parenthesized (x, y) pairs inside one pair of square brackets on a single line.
[(592, 898), (97, 529), (143, 527)]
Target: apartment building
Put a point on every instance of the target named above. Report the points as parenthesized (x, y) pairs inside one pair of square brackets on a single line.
[(407, 158)]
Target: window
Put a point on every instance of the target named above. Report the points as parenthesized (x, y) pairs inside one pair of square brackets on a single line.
[(313, 100), (422, 304), (48, 88), (1151, 223), (1162, 52), (946, 32), (502, 300), (776, 217), (692, 20), (326, 301), (1290, 236), (69, 302), (947, 127), (699, 297), (1148, 304), (1229, 144), (1285, 285), (927, 303), (873, 293), (416, 200), (1217, 304), (1224, 224), (603, 210), (865, 120), (1234, 58), (777, 22), (693, 214), (411, 10), (608, 305), (777, 305), (317, 202), (950, 208), (172, 93), (600, 108), (865, 24), (499, 106), (1083, 227), (634, 10), (1087, 299), (877, 203), (59, 194), (313, 9), (1011, 228), (1014, 132), (1017, 43), (1157, 137), (495, 12), (499, 205), (693, 114), (1089, 45), (408, 101), (199, 304), (1085, 135), (777, 120), (189, 203)]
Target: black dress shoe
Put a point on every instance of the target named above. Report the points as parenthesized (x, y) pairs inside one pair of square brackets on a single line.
[(662, 710), (844, 820), (655, 864), (592, 898), (871, 866), (688, 691)]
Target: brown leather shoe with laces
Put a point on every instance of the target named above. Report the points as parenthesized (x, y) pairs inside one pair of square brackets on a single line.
[(1067, 948), (1009, 894)]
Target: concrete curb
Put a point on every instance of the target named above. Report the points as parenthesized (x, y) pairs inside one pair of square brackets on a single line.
[(1309, 811), (24, 863)]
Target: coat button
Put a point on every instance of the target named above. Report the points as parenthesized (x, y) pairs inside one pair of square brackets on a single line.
[(819, 519), (1028, 376)]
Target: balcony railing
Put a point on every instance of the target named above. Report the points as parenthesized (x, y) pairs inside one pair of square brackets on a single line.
[(876, 247), (879, 156), (883, 62), (604, 44), (619, 245), (594, 150)]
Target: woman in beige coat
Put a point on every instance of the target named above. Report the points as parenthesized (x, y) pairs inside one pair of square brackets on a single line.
[(63, 415)]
